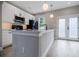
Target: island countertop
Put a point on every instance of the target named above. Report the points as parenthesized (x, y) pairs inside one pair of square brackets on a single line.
[(31, 32)]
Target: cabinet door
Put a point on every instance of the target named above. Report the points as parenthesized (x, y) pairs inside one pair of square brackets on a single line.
[(18, 12), (7, 12), (9, 38), (28, 17), (26, 46), (6, 38)]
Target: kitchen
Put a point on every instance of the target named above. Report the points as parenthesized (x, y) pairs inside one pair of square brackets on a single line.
[(31, 34), (16, 19)]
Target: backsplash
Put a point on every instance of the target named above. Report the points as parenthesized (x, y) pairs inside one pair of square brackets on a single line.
[(6, 25)]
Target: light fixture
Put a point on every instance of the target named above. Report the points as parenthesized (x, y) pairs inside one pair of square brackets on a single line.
[(45, 6), (51, 14)]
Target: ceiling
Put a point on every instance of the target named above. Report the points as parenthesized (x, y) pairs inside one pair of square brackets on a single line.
[(35, 7)]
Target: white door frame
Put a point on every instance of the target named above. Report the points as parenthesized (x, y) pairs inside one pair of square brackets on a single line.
[(67, 21)]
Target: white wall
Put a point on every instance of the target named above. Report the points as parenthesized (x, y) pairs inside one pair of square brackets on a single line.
[(52, 22), (61, 12)]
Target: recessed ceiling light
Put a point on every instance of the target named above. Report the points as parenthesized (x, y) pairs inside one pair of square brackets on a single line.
[(68, 3)]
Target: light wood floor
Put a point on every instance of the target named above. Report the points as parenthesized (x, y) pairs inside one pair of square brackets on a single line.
[(7, 52), (60, 48)]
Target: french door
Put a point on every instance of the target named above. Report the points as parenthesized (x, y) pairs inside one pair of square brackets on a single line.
[(68, 28), (73, 27), (62, 28)]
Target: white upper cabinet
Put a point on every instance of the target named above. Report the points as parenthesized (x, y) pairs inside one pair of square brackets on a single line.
[(9, 11), (21, 13), (18, 12)]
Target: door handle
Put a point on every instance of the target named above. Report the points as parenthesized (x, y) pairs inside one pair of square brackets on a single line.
[(68, 28)]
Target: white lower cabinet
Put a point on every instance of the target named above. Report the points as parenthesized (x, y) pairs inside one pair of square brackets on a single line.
[(6, 38)]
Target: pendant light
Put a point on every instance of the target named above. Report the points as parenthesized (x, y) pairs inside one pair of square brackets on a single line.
[(51, 14), (45, 6)]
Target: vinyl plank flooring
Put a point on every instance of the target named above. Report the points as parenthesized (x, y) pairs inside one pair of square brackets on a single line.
[(7, 52)]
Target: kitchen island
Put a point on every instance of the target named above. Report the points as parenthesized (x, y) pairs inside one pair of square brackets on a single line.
[(32, 43)]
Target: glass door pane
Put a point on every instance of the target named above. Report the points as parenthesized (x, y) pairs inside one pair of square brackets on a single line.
[(61, 28), (73, 27)]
